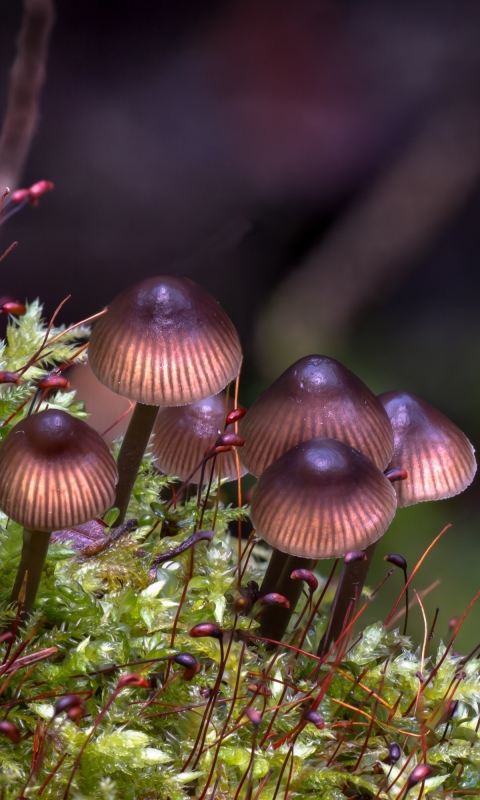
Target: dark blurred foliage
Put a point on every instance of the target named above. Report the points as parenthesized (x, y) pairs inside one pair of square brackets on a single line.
[(247, 145)]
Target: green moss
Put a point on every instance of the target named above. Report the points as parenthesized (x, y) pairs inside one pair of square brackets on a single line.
[(106, 612)]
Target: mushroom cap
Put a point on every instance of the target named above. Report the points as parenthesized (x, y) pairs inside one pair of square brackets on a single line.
[(165, 342), (315, 397), (55, 472), (437, 456), (182, 434), (322, 499)]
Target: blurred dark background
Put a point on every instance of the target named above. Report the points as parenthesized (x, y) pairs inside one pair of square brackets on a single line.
[(315, 165)]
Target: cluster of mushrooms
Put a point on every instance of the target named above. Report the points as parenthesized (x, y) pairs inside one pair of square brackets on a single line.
[(333, 460)]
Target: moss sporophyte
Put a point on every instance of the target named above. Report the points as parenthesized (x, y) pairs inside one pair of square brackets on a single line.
[(160, 657)]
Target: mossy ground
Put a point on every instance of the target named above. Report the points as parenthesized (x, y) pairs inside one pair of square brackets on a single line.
[(98, 615)]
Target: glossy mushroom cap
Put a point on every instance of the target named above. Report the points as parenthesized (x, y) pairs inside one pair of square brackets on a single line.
[(182, 435), (322, 499), (437, 456), (316, 396), (165, 342), (55, 472)]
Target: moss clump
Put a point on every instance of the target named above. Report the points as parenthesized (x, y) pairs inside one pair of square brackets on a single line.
[(103, 612)]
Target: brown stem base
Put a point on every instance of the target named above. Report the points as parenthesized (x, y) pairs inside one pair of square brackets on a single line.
[(350, 585), (131, 454), (274, 619), (32, 561)]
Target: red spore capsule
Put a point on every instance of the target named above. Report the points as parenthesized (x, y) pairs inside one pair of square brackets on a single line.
[(396, 475), (186, 660), (9, 377), (76, 713), (19, 195), (53, 382), (132, 679), (234, 415), (355, 555), (10, 730), (254, 716), (274, 599), (419, 774), (13, 307), (394, 753), (307, 576), (66, 703), (230, 440), (40, 188), (206, 629), (399, 561), (315, 718)]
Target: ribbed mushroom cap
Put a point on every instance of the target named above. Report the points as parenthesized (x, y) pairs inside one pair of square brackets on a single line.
[(316, 396), (322, 499), (437, 456), (182, 434), (55, 472), (165, 342)]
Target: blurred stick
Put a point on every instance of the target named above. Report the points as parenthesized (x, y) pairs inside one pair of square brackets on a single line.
[(377, 239), (26, 80)]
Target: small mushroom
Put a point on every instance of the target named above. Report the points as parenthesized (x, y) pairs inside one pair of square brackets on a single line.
[(55, 472), (163, 342), (183, 434), (322, 499), (437, 456), (315, 397)]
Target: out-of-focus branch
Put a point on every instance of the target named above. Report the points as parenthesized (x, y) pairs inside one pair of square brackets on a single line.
[(373, 245), (27, 77)]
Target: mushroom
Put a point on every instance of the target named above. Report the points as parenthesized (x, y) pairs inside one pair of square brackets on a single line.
[(182, 434), (437, 456), (315, 397), (163, 342), (55, 472), (437, 462), (320, 499)]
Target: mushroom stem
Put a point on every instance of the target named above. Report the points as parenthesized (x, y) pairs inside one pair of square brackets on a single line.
[(34, 553), (131, 453), (349, 588), (274, 619)]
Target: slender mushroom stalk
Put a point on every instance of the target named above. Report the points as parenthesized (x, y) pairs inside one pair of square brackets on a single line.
[(134, 444), (433, 459), (55, 472), (163, 342), (315, 397), (183, 434), (321, 499)]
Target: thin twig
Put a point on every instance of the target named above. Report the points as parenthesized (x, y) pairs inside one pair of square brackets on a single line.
[(27, 77)]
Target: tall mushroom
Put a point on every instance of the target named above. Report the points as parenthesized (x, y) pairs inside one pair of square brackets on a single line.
[(316, 396), (182, 434), (320, 499), (163, 342), (55, 472)]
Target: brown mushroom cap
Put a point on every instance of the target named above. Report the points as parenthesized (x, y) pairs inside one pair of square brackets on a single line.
[(165, 342), (182, 434), (437, 456), (316, 396), (322, 499), (55, 472)]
